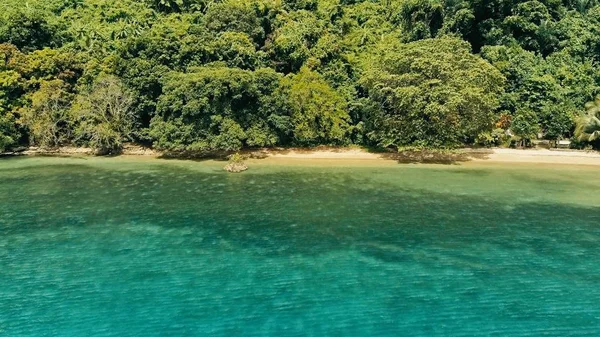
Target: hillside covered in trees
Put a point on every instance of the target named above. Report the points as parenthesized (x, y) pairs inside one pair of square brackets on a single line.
[(209, 75)]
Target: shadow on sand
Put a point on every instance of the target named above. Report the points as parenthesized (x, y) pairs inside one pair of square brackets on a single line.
[(437, 157)]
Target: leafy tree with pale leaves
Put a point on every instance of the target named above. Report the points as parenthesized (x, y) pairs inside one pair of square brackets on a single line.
[(47, 118), (104, 115)]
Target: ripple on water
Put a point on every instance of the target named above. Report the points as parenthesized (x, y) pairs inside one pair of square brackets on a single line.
[(118, 247)]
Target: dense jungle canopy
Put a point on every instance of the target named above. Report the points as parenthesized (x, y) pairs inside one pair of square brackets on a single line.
[(209, 75)]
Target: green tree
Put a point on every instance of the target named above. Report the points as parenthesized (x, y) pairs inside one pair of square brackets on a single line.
[(167, 6), (588, 126), (175, 6), (8, 132), (48, 118), (247, 17), (557, 121), (235, 49), (104, 115), (421, 19), (295, 5), (28, 28), (215, 108), (218, 74), (525, 124), (10, 95), (533, 26), (298, 33), (552, 88), (318, 113), (98, 27), (431, 93)]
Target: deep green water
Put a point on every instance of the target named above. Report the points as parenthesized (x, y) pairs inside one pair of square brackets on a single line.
[(124, 247)]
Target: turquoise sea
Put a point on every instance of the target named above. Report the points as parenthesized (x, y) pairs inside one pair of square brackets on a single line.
[(136, 247)]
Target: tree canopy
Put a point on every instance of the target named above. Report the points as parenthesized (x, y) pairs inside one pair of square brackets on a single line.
[(431, 92), (219, 75)]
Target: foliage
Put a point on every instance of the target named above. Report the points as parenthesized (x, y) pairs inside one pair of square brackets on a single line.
[(104, 115), (431, 93), (588, 126), (525, 124), (496, 137), (8, 132), (219, 75), (214, 108), (48, 118), (318, 113), (236, 164), (420, 19), (553, 89), (28, 28), (236, 158), (293, 40), (237, 16)]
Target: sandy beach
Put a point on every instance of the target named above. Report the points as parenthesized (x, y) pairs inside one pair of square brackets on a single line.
[(350, 156), (543, 156), (464, 156)]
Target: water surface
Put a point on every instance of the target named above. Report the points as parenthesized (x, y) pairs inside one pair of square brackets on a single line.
[(131, 247)]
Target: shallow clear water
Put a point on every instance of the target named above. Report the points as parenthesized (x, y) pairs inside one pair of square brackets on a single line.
[(127, 247)]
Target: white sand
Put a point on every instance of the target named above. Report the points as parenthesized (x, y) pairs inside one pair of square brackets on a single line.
[(348, 156), (543, 156), (532, 156)]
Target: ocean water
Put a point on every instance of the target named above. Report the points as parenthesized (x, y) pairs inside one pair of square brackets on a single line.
[(132, 247)]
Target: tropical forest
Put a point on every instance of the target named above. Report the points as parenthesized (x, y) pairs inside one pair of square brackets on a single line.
[(199, 76), (296, 168)]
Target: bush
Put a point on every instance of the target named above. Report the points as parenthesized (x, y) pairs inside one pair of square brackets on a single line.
[(496, 137)]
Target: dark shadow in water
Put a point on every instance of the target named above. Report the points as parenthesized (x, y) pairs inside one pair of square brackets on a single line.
[(128, 245), (285, 213)]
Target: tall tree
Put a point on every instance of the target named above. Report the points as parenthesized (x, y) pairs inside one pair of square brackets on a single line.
[(431, 93), (104, 115), (318, 112), (48, 118)]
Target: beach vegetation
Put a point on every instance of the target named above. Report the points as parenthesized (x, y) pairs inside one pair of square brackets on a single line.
[(588, 125), (103, 115), (209, 76)]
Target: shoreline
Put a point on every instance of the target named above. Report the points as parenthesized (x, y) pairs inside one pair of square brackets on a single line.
[(350, 156), (466, 157)]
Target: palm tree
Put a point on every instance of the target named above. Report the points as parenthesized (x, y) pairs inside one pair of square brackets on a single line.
[(588, 126)]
